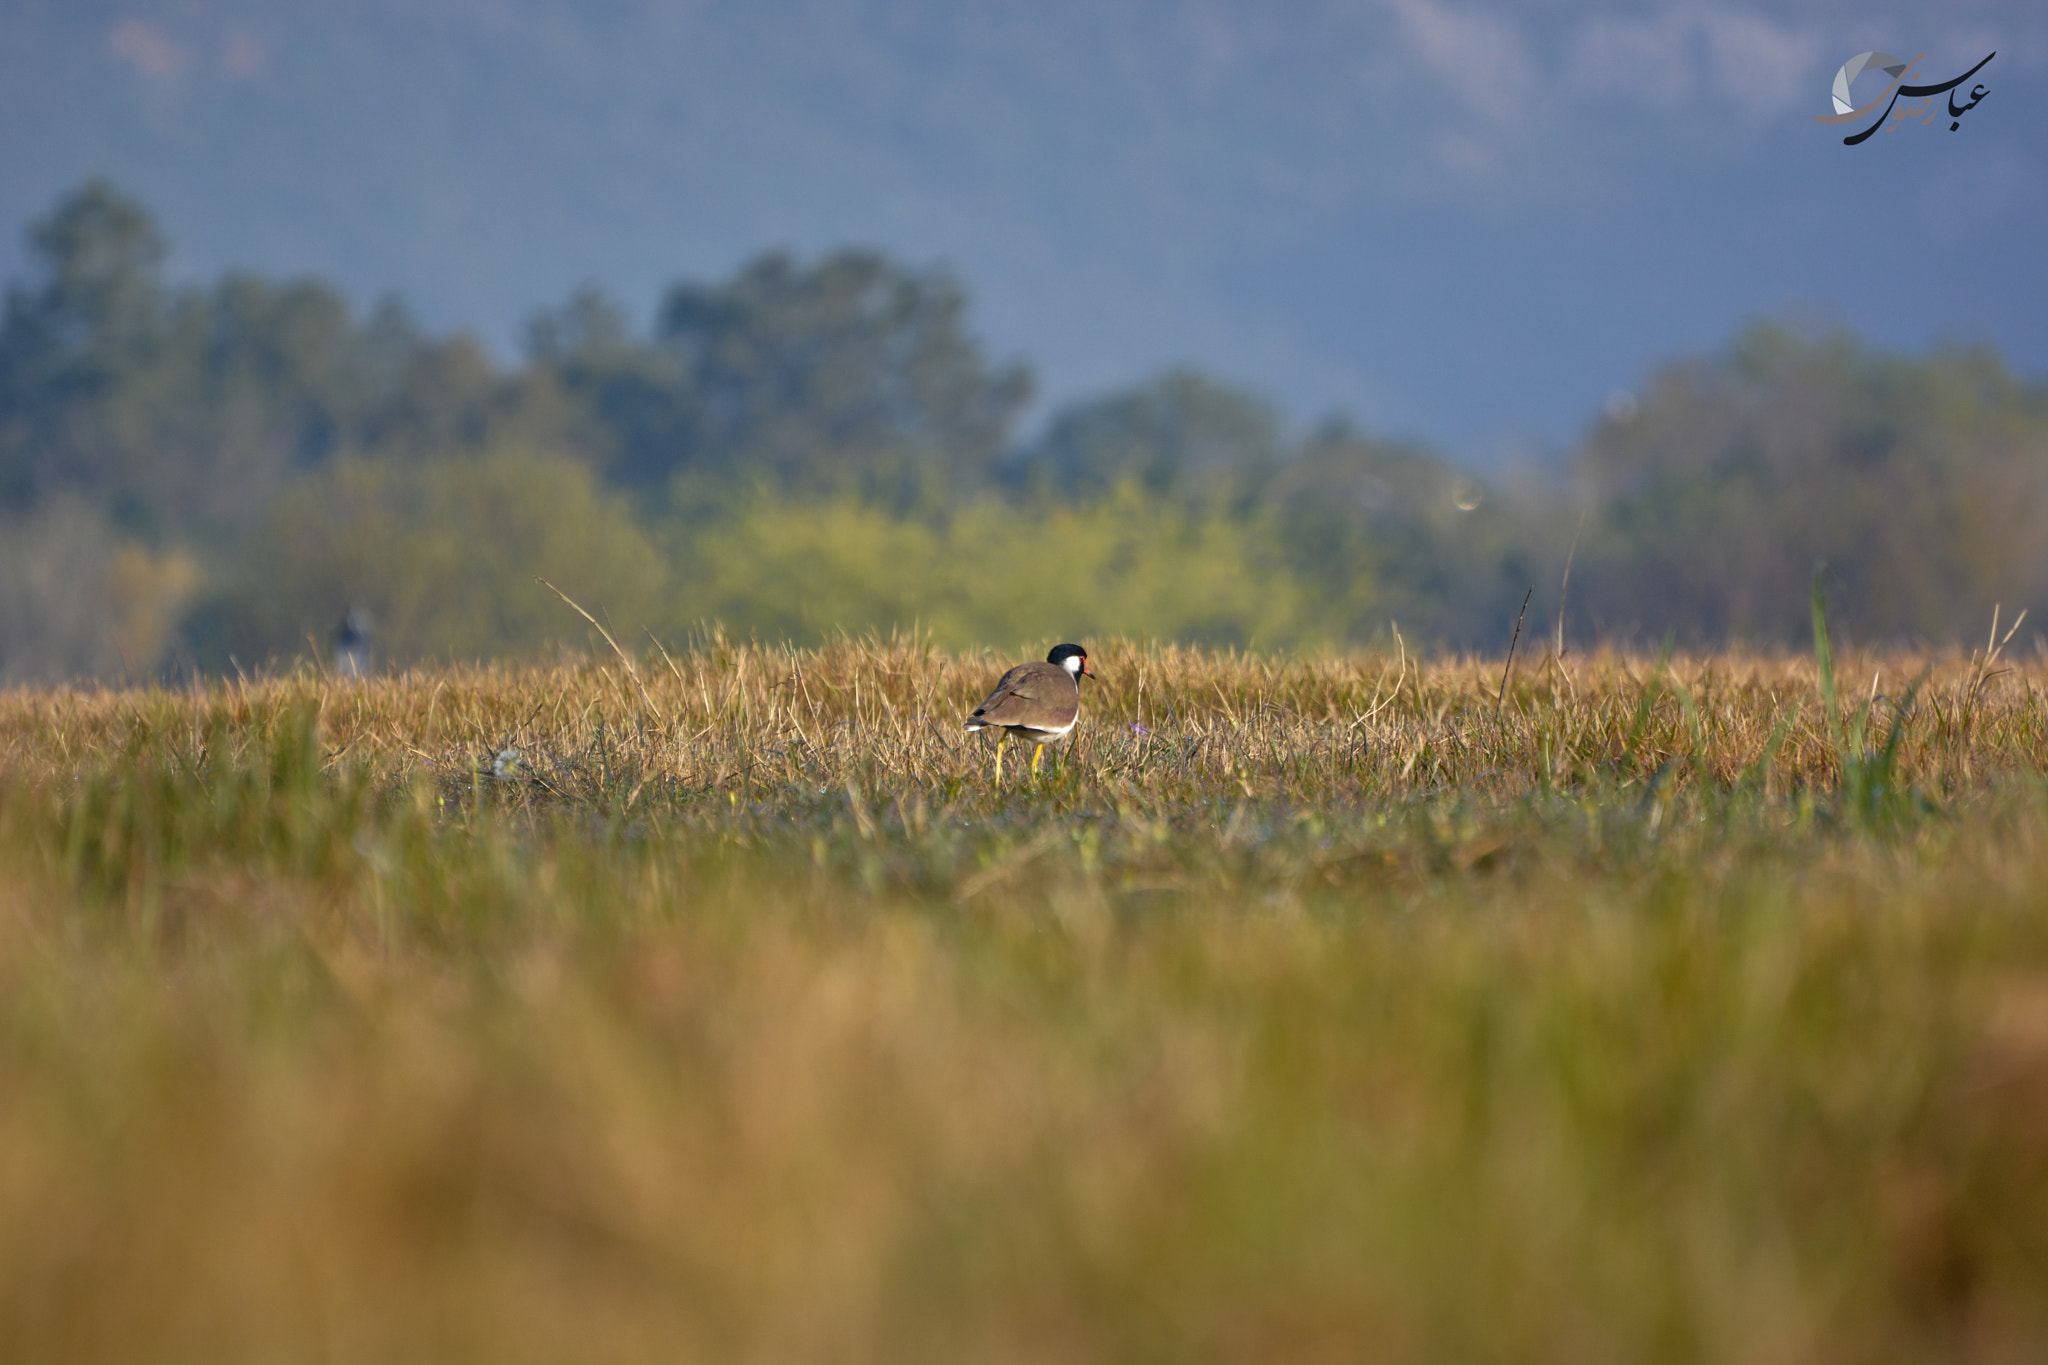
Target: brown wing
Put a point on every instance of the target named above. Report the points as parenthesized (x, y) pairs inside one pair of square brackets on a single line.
[(1041, 696)]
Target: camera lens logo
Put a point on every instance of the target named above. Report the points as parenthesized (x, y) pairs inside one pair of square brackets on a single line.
[(1856, 66), (1927, 111)]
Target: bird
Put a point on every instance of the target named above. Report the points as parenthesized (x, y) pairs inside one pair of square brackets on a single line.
[(352, 656), (1038, 702)]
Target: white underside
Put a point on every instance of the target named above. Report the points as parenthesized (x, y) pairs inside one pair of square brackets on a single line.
[(1035, 736)]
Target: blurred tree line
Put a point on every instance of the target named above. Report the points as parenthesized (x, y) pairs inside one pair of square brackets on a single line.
[(211, 476)]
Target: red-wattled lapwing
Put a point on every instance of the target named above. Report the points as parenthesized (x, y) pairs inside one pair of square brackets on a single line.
[(1038, 702)]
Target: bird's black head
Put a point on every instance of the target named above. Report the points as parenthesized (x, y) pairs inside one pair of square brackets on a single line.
[(1073, 658)]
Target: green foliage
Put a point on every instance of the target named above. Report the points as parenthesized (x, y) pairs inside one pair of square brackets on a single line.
[(819, 445), (1924, 483), (1381, 530), (80, 599), (852, 375), (993, 573), (185, 410), (629, 418), (1180, 433), (101, 254), (443, 556), (805, 449)]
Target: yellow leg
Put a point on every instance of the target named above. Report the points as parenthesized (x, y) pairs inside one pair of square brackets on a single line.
[(1037, 752), (1001, 740)]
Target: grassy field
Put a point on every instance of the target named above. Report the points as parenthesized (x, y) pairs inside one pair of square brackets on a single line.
[(1333, 1009)]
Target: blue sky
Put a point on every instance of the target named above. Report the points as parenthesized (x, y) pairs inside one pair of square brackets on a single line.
[(1468, 223)]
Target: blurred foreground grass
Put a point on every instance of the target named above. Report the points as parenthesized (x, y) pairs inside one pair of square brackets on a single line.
[(1309, 1010)]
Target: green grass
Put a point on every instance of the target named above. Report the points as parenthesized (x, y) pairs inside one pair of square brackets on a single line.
[(1691, 1009)]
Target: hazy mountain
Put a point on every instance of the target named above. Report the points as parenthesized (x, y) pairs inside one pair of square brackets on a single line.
[(1465, 222)]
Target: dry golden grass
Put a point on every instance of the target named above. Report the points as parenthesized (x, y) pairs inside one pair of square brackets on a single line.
[(1307, 1009)]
